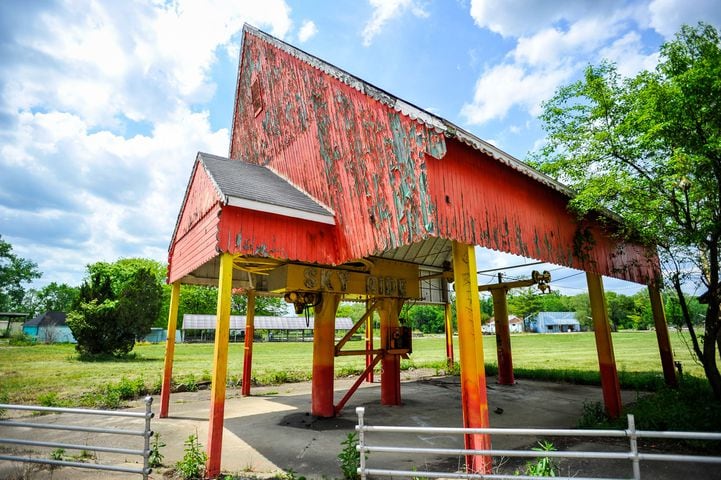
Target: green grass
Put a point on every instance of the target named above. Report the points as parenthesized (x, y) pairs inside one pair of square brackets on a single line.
[(29, 372)]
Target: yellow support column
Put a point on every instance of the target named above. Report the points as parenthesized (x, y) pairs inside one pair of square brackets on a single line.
[(470, 340), (604, 346), (169, 349), (249, 334), (324, 356), (448, 320), (220, 366), (664, 344)]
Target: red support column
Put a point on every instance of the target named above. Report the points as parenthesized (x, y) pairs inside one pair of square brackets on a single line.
[(220, 366), (169, 349), (448, 318), (503, 337), (248, 352), (604, 346), (664, 344), (369, 344), (324, 356), (470, 340), (389, 310)]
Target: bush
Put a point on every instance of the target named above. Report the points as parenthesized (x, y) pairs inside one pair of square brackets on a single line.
[(192, 466), (21, 339)]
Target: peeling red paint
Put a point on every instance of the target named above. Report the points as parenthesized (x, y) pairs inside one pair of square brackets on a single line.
[(482, 202)]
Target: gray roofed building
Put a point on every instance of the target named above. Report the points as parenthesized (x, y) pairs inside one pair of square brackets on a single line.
[(237, 322), (550, 322), (256, 187)]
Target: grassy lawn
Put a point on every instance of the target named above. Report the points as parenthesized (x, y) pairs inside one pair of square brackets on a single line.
[(27, 373)]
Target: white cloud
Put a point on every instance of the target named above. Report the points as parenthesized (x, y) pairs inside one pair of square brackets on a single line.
[(627, 54), (667, 16), (385, 10), (75, 188), (307, 31)]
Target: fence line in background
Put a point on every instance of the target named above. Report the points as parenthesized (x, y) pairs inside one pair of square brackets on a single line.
[(633, 455), (146, 433)]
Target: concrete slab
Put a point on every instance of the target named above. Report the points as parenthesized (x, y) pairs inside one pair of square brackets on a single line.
[(273, 429)]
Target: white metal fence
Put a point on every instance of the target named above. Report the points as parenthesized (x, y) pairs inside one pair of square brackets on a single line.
[(8, 425), (632, 455)]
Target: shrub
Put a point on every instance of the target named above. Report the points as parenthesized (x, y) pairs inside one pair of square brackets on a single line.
[(192, 466)]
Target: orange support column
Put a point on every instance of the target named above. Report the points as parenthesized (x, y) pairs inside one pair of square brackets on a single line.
[(248, 352), (470, 339), (324, 356), (169, 349), (503, 337), (369, 344), (220, 366), (389, 309), (664, 344), (604, 346), (448, 317)]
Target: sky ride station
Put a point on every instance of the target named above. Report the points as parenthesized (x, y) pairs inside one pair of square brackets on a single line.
[(334, 189)]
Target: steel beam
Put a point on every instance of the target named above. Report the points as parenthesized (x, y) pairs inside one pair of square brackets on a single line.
[(324, 356), (664, 344), (604, 346), (169, 349), (389, 309), (474, 401), (220, 366), (248, 348), (503, 337)]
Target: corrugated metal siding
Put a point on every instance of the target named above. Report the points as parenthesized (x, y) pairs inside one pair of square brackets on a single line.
[(195, 240), (254, 233), (352, 153), (482, 202), (193, 321)]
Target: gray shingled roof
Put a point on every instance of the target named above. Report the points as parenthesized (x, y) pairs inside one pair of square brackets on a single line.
[(194, 321), (236, 178)]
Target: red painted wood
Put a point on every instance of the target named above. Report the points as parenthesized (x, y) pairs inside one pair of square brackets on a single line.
[(194, 241), (480, 201)]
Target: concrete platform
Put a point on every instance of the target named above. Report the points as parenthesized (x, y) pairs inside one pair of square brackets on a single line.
[(273, 430)]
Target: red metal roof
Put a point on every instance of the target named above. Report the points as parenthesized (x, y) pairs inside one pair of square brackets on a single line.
[(400, 182)]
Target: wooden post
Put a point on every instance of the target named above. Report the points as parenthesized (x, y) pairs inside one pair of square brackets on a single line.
[(664, 344), (389, 309), (324, 356), (248, 352), (604, 346), (169, 349), (220, 366), (503, 337), (474, 401), (448, 320)]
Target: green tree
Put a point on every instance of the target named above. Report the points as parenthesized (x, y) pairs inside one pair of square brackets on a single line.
[(649, 149), (58, 297), (14, 273), (427, 318), (524, 302), (112, 311)]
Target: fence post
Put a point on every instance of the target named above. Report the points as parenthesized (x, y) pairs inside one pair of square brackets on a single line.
[(148, 434), (631, 432), (361, 443)]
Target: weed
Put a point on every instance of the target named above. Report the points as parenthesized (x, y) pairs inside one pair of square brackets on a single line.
[(83, 456), (594, 415), (50, 399), (21, 339), (155, 458), (288, 475), (4, 398), (192, 466), (349, 457), (57, 454), (543, 466)]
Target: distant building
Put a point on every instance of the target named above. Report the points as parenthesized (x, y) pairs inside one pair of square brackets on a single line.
[(515, 325), (49, 327), (553, 322)]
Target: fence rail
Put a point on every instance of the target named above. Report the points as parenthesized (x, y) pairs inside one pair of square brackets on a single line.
[(632, 455), (146, 433)]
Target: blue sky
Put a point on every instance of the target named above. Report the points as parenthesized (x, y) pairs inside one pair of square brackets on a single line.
[(103, 105)]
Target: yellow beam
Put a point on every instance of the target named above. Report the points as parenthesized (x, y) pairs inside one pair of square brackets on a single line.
[(355, 328), (470, 339), (220, 365), (169, 349)]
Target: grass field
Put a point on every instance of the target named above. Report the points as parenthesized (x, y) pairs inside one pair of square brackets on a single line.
[(28, 373)]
